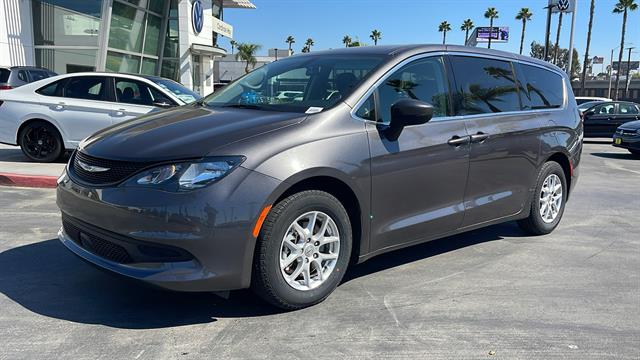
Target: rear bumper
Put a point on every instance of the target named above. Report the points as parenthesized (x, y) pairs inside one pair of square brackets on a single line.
[(210, 228)]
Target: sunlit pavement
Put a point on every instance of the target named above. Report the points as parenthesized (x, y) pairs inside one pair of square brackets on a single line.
[(491, 293)]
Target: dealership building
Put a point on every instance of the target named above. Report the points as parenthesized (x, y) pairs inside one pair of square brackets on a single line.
[(176, 39)]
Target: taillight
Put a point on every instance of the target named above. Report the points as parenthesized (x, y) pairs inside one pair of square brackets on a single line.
[(5, 87)]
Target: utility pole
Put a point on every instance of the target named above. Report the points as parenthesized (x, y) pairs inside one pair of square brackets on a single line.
[(611, 71), (573, 26), (626, 88), (548, 32)]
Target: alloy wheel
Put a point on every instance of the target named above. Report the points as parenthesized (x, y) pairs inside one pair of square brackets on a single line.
[(309, 250), (550, 198)]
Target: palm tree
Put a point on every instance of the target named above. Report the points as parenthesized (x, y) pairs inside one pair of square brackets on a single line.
[(467, 26), (622, 7), (524, 15), (346, 40), (233, 45), (308, 44), (443, 28), (290, 40), (247, 53), (586, 52), (491, 14), (555, 53), (375, 36)]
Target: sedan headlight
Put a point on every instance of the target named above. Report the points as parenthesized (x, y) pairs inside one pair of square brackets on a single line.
[(185, 176)]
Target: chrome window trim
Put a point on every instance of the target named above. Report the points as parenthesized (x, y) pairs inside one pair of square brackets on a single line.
[(410, 59)]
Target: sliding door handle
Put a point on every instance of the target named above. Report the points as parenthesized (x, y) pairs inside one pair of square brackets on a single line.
[(479, 137), (457, 140)]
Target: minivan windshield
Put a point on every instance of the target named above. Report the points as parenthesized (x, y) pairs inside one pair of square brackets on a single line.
[(297, 84)]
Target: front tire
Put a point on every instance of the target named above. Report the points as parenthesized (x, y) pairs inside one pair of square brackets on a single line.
[(40, 141), (303, 250), (549, 198)]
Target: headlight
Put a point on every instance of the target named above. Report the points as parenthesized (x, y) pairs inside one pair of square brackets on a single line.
[(184, 176)]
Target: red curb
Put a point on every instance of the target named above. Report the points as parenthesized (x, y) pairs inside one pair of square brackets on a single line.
[(36, 181)]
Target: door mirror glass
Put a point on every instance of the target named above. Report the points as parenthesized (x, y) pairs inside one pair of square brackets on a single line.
[(407, 112)]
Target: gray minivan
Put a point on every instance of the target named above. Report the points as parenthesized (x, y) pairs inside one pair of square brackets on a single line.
[(383, 147)]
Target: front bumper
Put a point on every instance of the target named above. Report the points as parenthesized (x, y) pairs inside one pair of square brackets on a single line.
[(628, 140), (209, 229)]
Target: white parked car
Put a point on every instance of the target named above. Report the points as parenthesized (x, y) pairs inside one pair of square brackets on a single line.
[(50, 116), (584, 99)]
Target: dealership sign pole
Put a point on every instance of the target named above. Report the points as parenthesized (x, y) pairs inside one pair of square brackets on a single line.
[(573, 26)]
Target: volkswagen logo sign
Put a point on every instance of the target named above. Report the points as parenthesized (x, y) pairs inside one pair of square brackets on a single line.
[(197, 16), (563, 5)]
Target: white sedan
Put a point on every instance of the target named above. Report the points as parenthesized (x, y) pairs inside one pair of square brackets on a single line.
[(49, 116)]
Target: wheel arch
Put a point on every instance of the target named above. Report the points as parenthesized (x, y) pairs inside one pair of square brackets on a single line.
[(563, 159), (342, 191), (39, 119)]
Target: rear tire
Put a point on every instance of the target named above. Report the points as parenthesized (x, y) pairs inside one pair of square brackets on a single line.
[(547, 205), (40, 141), (294, 267)]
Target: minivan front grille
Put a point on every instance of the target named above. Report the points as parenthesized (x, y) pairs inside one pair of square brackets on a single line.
[(96, 171)]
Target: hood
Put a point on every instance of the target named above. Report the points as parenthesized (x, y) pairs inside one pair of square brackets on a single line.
[(190, 131), (633, 125)]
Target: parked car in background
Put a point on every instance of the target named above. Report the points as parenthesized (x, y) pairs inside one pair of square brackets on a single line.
[(16, 76), (587, 105), (583, 99), (627, 136), (52, 115), (603, 118), (386, 147)]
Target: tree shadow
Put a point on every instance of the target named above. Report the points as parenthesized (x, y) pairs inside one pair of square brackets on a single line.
[(46, 278), (621, 156)]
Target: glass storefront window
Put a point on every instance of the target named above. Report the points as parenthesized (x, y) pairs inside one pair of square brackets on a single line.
[(169, 69), (122, 62), (66, 61), (127, 25), (171, 42), (66, 22), (173, 9), (152, 35), (149, 66), (156, 6)]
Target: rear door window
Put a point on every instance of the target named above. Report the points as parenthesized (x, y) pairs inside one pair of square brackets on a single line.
[(484, 86), (38, 75), (133, 92), (86, 87), (544, 89), (627, 109)]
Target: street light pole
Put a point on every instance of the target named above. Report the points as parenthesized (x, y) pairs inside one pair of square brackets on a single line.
[(573, 26)]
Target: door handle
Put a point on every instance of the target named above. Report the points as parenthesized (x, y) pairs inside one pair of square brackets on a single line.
[(120, 112), (457, 140), (59, 106), (479, 137)]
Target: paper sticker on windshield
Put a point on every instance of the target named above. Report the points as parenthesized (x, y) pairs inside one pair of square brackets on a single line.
[(186, 98), (313, 110)]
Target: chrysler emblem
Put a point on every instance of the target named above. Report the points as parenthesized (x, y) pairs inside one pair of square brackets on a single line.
[(91, 168)]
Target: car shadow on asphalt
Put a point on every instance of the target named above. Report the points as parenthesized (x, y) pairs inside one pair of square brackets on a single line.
[(46, 278), (620, 156), (15, 155)]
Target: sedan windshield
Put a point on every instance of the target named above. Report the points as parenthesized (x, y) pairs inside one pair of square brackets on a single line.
[(297, 84), (181, 92)]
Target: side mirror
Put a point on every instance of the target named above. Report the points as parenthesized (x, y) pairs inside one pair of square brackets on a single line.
[(589, 112), (163, 104), (407, 112)]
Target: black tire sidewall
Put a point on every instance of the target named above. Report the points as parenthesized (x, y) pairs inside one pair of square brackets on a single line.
[(300, 204), (548, 169), (50, 128)]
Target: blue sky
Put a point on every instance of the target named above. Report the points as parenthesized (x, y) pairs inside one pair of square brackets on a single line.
[(416, 21)]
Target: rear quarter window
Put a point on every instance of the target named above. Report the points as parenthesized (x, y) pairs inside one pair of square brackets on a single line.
[(54, 89), (544, 89), (4, 75)]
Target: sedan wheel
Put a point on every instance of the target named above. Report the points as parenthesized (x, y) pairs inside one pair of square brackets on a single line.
[(40, 141)]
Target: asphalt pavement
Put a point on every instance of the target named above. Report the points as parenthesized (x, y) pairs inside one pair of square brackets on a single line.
[(493, 293)]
